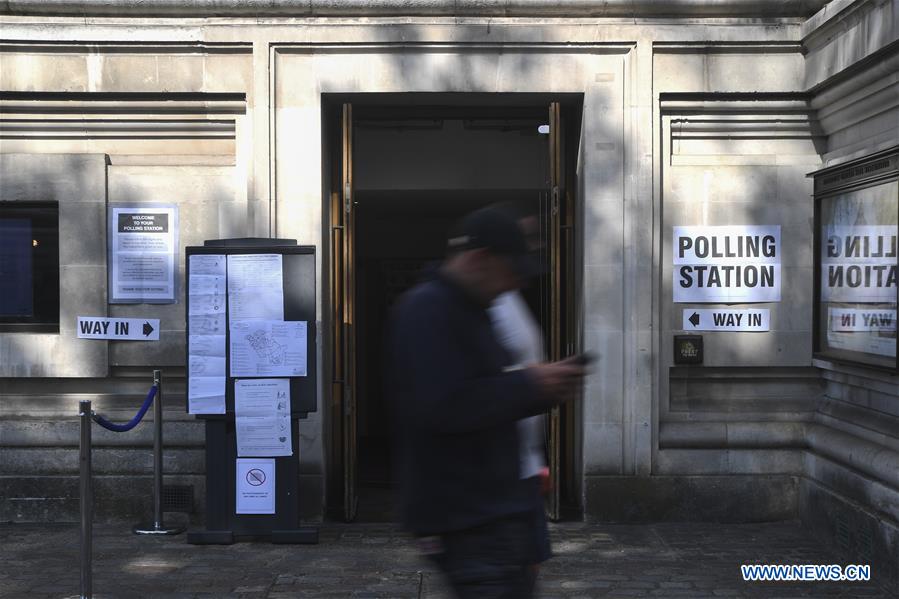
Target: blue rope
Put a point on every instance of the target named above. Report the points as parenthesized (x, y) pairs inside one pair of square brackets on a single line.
[(121, 428)]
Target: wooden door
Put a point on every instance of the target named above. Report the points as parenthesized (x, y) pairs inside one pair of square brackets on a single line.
[(343, 289), (561, 321)]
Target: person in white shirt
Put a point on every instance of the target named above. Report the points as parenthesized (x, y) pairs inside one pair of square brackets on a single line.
[(518, 332)]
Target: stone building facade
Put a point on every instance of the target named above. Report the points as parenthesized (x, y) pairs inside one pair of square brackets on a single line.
[(675, 114)]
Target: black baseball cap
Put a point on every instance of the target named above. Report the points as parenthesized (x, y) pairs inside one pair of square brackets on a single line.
[(497, 231)]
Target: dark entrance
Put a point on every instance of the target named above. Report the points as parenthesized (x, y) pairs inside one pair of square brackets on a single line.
[(410, 172)]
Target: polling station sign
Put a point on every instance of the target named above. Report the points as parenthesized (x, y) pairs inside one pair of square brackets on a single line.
[(143, 241), (728, 265), (858, 264)]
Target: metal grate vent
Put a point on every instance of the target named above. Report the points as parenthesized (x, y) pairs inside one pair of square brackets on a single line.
[(865, 542), (843, 534), (178, 498)]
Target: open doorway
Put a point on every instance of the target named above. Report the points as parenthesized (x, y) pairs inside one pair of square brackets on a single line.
[(411, 170)]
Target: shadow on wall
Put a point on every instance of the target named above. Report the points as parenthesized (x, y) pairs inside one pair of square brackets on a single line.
[(77, 183), (82, 185)]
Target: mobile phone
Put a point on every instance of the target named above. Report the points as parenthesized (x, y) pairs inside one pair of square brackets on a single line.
[(585, 359)]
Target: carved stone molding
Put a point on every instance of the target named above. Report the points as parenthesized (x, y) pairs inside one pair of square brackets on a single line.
[(432, 8), (86, 115), (742, 128)]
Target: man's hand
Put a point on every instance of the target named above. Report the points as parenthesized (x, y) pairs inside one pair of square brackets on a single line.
[(559, 381)]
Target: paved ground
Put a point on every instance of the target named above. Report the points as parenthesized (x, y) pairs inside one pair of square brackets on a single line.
[(376, 560)]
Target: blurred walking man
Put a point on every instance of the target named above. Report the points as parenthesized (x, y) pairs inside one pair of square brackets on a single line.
[(458, 403)]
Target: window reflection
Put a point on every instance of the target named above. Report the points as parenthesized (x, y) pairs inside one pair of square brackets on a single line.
[(858, 274)]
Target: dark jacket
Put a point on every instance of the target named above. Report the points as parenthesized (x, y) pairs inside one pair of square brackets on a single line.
[(456, 410)]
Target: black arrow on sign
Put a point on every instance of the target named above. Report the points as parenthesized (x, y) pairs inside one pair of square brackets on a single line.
[(694, 320), (148, 328)]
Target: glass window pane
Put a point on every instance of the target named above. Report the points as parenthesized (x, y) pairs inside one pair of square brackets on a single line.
[(858, 272), (29, 267), (15, 267)]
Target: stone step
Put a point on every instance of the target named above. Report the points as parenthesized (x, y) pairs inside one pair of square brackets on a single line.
[(66, 432), (116, 498), (113, 386), (36, 461), (123, 406)]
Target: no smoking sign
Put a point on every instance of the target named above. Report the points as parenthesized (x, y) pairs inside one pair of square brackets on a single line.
[(256, 477), (255, 486)]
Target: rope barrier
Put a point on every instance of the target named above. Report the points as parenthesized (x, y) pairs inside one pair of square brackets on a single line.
[(121, 428)]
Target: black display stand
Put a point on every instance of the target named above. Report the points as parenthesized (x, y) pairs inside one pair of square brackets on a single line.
[(223, 524)]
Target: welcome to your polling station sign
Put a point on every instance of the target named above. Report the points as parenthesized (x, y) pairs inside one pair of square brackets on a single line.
[(727, 264), (143, 245)]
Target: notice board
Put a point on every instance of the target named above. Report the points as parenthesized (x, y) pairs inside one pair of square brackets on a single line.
[(250, 326)]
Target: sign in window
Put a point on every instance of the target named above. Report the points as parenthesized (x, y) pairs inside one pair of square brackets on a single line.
[(857, 264)]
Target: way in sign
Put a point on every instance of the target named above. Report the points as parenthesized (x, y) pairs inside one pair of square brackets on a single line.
[(735, 320), (754, 320), (872, 321), (122, 329), (101, 327), (860, 320)]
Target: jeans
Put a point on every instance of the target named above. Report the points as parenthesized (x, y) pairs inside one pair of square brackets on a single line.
[(492, 560)]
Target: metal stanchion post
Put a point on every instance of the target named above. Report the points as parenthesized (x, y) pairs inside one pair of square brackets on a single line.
[(157, 527), (87, 498)]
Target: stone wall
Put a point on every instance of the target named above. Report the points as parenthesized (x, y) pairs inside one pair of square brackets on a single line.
[(850, 491), (89, 127)]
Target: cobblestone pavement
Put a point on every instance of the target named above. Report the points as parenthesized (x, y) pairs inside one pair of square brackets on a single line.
[(377, 560)]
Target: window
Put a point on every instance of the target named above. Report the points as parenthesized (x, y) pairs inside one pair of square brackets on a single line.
[(857, 216), (29, 267)]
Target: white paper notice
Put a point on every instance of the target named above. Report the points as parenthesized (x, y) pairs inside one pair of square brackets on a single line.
[(268, 348), (255, 486), (255, 288), (262, 417), (207, 285), (207, 264), (143, 240), (206, 341), (207, 345), (207, 365), (206, 394), (206, 304), (207, 324)]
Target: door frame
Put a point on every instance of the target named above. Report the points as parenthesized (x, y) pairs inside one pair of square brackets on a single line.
[(563, 334)]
